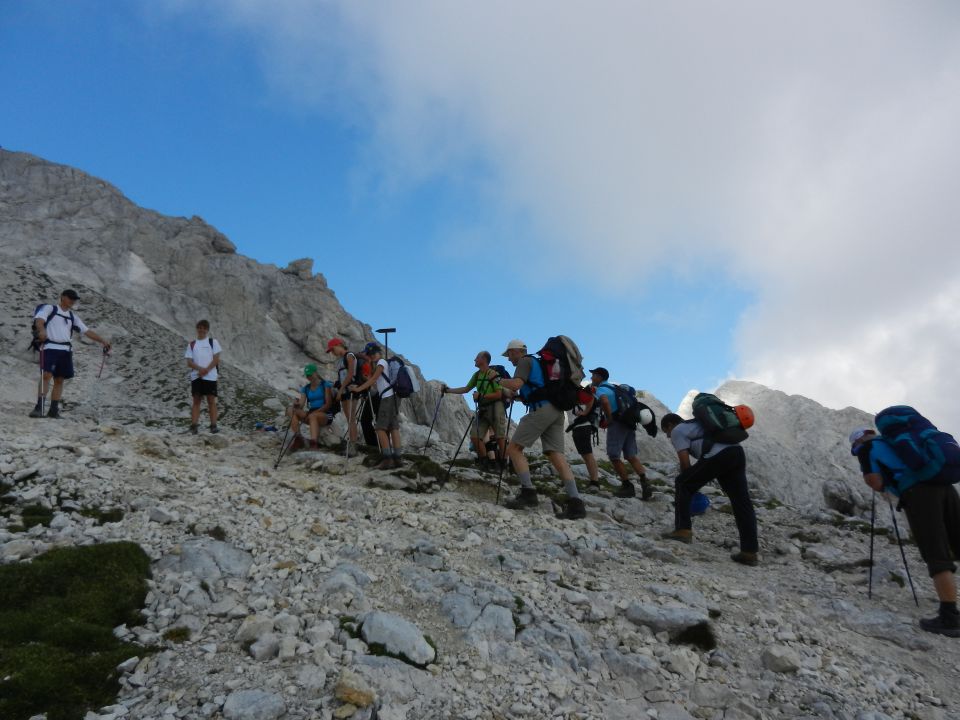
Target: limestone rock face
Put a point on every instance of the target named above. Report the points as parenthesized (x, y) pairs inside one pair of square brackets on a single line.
[(83, 231)]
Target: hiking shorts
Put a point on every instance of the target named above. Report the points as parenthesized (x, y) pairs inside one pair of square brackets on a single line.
[(203, 388), (388, 416), (544, 424), (583, 438), (58, 363), (493, 417), (621, 438), (933, 512)]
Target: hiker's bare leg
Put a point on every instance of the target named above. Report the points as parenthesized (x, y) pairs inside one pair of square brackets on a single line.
[(57, 389), (560, 463), (395, 438), (195, 410), (621, 469), (593, 471), (212, 408), (946, 586), (517, 458), (637, 465)]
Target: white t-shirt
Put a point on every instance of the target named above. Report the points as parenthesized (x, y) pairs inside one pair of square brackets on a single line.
[(689, 436), (383, 382), (58, 327), (202, 354)]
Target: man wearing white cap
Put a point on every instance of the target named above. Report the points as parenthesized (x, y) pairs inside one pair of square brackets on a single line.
[(543, 422)]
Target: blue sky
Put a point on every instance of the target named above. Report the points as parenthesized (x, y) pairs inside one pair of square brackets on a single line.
[(683, 189)]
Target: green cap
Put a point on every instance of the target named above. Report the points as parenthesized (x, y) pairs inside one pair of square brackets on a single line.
[(309, 370)]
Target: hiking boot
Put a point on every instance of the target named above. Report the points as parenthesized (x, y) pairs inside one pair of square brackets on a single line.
[(745, 558), (37, 411), (574, 510), (296, 444), (645, 489), (385, 464), (684, 536), (594, 487), (194, 429), (626, 490), (526, 498), (314, 445), (397, 462), (214, 429), (54, 414), (943, 624)]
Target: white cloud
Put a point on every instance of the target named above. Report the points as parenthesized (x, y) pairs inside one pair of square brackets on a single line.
[(808, 149)]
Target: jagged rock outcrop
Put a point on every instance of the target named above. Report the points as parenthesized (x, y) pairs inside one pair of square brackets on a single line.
[(82, 231)]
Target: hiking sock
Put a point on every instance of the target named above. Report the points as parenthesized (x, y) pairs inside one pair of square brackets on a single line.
[(570, 488), (525, 480), (948, 608)]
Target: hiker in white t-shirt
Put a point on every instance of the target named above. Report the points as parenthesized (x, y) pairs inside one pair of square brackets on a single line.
[(54, 326), (203, 359), (388, 414)]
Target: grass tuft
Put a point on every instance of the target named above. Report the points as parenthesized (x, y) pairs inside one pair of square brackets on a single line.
[(58, 654)]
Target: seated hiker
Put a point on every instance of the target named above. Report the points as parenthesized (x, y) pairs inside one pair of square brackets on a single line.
[(491, 415), (388, 415), (314, 405), (584, 428), (621, 437), (932, 508), (724, 463), (543, 422)]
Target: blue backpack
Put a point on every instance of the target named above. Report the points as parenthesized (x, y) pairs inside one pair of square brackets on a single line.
[(929, 454)]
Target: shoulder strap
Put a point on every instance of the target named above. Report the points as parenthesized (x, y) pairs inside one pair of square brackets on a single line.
[(193, 344)]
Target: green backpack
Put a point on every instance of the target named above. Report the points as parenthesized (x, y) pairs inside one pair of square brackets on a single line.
[(720, 421)]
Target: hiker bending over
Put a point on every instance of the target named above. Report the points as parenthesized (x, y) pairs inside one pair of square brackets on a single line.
[(933, 513), (543, 422), (203, 359), (621, 437), (314, 405), (491, 414), (53, 326), (388, 416), (727, 465)]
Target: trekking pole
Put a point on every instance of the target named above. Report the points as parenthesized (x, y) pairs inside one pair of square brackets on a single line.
[(386, 337), (896, 529), (506, 442), (450, 466), (103, 362), (873, 520), (354, 421), (42, 390), (283, 444), (435, 413)]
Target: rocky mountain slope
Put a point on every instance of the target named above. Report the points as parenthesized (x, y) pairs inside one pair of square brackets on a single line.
[(321, 590), (326, 589)]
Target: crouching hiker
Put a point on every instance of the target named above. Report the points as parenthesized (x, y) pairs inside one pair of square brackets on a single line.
[(491, 415), (585, 429), (724, 463), (926, 495), (315, 405), (621, 437), (388, 414), (53, 327), (203, 359), (544, 422)]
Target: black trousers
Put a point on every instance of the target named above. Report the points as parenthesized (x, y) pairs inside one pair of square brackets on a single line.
[(933, 512), (370, 408), (729, 468)]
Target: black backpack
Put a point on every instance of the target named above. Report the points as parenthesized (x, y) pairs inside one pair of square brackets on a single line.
[(35, 337), (630, 409), (562, 366)]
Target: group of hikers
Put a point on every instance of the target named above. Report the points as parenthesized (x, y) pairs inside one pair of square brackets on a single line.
[(905, 457)]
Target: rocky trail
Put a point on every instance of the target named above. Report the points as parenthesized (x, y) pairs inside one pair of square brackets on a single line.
[(312, 591)]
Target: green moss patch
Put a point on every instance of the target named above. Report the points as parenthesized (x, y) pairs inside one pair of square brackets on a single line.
[(58, 654), (110, 515), (36, 515)]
